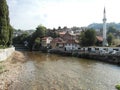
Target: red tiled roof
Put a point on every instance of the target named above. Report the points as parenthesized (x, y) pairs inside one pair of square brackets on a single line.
[(58, 40), (72, 41), (99, 38)]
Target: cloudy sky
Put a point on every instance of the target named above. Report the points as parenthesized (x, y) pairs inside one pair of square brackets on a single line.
[(28, 14)]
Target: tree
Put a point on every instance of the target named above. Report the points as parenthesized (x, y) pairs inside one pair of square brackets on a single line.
[(111, 29), (52, 33), (88, 37), (11, 29), (75, 28), (21, 38), (36, 45), (110, 38), (59, 28), (37, 40), (40, 31), (5, 28)]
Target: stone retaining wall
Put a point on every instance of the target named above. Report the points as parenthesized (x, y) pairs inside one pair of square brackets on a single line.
[(114, 59), (6, 53)]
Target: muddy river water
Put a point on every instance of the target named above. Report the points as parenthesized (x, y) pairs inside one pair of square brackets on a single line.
[(54, 72)]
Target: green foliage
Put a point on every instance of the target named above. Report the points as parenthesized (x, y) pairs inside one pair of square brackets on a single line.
[(52, 33), (88, 37), (37, 40), (110, 38), (111, 29), (40, 31), (20, 39), (118, 86), (2, 47), (75, 28), (4, 24), (11, 29)]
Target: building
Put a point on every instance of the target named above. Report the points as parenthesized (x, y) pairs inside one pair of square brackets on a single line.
[(46, 41), (99, 40), (57, 43), (68, 36), (72, 45)]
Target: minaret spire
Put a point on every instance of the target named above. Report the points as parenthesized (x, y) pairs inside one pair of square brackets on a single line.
[(104, 10), (104, 28), (104, 13)]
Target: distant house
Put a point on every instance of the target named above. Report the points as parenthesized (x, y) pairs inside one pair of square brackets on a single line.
[(99, 40), (57, 43), (71, 41), (68, 36), (46, 41), (67, 41), (72, 44), (61, 34)]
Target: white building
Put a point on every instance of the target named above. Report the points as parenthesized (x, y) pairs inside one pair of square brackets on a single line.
[(104, 29), (72, 45), (46, 41)]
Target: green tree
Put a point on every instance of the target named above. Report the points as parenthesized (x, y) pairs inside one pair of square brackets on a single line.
[(110, 38), (11, 29), (40, 31), (21, 38), (36, 45), (37, 40), (5, 29), (52, 33), (111, 29), (88, 37)]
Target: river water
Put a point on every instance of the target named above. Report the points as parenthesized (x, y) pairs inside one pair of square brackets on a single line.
[(54, 72)]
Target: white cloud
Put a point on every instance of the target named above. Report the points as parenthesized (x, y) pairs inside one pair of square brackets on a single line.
[(27, 14)]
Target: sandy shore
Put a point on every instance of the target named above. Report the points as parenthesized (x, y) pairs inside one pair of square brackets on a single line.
[(10, 69)]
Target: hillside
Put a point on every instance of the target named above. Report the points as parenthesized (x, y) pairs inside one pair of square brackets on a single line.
[(99, 25)]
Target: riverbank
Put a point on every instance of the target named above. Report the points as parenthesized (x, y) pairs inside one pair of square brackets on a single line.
[(114, 59), (39, 71), (10, 69)]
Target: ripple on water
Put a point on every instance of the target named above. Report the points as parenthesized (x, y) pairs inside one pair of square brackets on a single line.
[(53, 72)]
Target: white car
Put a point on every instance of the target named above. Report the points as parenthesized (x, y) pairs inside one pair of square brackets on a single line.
[(113, 52)]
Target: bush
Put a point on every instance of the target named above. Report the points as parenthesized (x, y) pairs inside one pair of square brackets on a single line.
[(118, 86), (2, 47)]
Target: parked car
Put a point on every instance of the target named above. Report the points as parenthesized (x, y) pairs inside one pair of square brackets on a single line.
[(103, 52), (113, 52), (117, 53)]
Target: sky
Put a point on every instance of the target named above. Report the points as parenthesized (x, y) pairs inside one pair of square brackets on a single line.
[(28, 14)]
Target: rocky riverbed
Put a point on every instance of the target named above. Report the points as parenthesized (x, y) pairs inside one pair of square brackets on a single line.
[(10, 69)]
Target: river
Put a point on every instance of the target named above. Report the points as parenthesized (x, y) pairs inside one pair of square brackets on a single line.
[(54, 72)]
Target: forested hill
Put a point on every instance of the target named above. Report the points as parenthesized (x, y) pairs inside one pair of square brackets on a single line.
[(100, 25)]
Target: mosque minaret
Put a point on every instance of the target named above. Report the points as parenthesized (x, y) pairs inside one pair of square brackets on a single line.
[(104, 29)]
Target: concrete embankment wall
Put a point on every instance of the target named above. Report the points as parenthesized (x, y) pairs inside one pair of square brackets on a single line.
[(6, 53), (114, 59)]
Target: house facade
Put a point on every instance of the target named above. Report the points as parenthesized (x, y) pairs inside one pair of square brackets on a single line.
[(46, 41), (72, 45), (57, 43), (66, 42)]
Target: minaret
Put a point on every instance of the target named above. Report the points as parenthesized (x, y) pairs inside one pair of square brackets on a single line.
[(104, 29)]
